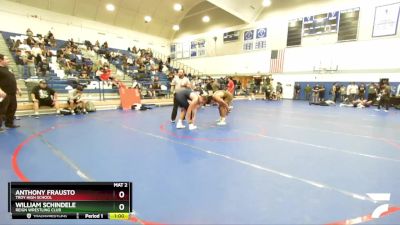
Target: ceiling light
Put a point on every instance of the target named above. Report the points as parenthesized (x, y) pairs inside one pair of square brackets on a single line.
[(177, 7), (110, 7), (147, 19), (266, 3), (175, 27), (206, 19)]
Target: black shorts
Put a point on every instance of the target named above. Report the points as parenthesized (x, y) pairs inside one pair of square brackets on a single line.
[(182, 97), (46, 102), (183, 103)]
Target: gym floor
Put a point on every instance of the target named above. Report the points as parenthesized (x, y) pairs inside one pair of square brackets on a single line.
[(273, 163)]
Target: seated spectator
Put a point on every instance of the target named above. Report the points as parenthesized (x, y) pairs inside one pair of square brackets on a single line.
[(43, 67), (156, 87), (30, 41), (29, 33), (53, 42), (24, 46), (42, 95), (76, 101), (105, 76), (16, 45)]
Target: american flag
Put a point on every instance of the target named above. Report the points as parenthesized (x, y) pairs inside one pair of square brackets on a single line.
[(277, 57)]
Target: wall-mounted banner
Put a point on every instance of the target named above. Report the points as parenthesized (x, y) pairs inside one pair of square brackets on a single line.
[(231, 36), (386, 18), (198, 48), (261, 38), (248, 37)]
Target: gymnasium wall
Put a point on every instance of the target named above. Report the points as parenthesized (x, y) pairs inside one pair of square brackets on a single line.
[(17, 18), (367, 53)]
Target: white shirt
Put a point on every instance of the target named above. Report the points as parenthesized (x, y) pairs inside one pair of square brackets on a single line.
[(178, 82)]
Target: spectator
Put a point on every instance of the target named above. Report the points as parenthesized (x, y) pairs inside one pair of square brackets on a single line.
[(251, 86), (384, 97), (16, 45), (19, 60), (297, 89), (30, 62), (36, 50), (334, 92), (307, 91), (156, 87), (352, 91), (322, 93), (42, 95), (24, 46), (76, 101), (279, 91), (361, 92), (231, 86), (30, 41), (29, 33), (315, 94), (343, 93), (8, 92), (372, 91)]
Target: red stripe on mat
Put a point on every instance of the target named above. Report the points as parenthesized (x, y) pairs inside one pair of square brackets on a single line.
[(22, 177), (364, 219)]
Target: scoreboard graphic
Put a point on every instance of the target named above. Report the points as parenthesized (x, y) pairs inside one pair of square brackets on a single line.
[(70, 200), (321, 24)]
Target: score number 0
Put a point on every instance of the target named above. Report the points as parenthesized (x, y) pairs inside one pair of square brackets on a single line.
[(121, 195)]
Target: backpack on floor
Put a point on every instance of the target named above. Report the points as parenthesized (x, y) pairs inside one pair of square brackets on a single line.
[(397, 106), (65, 112), (90, 107)]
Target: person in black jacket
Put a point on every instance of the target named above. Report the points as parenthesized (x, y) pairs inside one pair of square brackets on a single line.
[(8, 94)]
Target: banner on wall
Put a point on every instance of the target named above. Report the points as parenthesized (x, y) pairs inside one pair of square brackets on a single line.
[(261, 38), (186, 49), (231, 36), (255, 39), (248, 39), (173, 51), (198, 48), (386, 19), (179, 51)]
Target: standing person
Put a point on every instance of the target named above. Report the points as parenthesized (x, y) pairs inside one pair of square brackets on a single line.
[(297, 89), (334, 91), (307, 91), (279, 91), (361, 92), (315, 95), (20, 61), (372, 92), (180, 82), (322, 93), (223, 99), (189, 109), (384, 98), (8, 94), (252, 89), (231, 86), (343, 93)]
